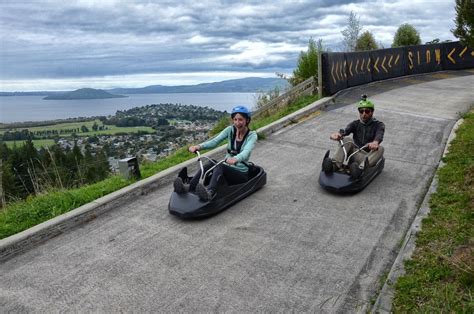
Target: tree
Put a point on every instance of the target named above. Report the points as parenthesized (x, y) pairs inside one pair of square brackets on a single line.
[(263, 98), (307, 63), (95, 126), (162, 121), (84, 129), (406, 35), (365, 42), (11, 187), (434, 41), (464, 22), (351, 32)]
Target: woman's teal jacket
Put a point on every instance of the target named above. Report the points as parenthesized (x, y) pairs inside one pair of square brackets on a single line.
[(244, 154)]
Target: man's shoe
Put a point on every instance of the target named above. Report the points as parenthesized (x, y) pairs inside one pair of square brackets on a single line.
[(355, 171), (327, 165), (203, 193), (179, 185)]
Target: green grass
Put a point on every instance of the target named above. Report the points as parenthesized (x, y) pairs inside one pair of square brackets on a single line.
[(440, 276), (115, 129), (60, 126), (149, 169), (37, 143), (300, 103), (21, 215), (112, 129)]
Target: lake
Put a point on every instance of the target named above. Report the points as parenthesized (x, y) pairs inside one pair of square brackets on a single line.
[(35, 108)]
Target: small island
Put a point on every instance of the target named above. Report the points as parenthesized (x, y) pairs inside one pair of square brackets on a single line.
[(83, 93)]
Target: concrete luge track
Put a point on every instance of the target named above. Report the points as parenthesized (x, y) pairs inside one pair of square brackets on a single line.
[(289, 247)]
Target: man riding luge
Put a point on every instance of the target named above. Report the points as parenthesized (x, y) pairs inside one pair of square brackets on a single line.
[(366, 131)]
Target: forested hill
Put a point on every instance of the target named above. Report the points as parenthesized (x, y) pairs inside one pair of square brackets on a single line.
[(83, 93), (245, 85)]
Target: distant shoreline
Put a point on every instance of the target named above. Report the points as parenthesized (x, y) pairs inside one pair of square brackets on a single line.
[(245, 85), (18, 109)]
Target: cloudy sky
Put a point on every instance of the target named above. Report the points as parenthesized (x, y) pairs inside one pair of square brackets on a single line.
[(65, 45)]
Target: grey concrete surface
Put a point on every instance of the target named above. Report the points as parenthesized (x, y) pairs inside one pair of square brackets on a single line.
[(289, 247)]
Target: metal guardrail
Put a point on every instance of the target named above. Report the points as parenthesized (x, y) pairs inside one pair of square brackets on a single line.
[(308, 87)]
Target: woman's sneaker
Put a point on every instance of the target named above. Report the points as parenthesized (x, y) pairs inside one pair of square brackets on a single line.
[(203, 193), (179, 186)]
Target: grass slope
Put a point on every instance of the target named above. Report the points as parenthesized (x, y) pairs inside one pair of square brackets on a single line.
[(440, 276)]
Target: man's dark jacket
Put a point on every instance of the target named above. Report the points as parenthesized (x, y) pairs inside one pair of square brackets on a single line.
[(364, 133)]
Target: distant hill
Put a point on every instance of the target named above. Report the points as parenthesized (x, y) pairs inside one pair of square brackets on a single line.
[(36, 93), (83, 93), (245, 85)]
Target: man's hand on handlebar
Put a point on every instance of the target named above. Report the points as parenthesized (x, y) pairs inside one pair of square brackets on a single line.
[(335, 136), (194, 148), (373, 145), (231, 161)]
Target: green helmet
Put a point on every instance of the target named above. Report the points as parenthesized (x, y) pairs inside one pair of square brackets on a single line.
[(365, 103)]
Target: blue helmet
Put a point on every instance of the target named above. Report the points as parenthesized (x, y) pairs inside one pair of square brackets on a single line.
[(240, 109), (243, 111)]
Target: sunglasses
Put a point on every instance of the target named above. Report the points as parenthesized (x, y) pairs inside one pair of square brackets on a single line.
[(367, 111)]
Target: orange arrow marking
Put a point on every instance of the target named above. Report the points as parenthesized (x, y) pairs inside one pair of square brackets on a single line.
[(383, 67), (396, 60), (350, 68), (463, 51), (390, 61), (332, 73), (357, 64), (375, 64), (449, 56), (337, 71), (368, 65), (345, 71), (362, 66), (340, 71)]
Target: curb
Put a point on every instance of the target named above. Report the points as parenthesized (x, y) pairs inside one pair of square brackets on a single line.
[(27, 239), (383, 304)]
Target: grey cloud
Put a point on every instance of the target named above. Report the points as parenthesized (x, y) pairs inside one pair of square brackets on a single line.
[(52, 39)]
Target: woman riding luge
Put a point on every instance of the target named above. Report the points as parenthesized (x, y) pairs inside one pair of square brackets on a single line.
[(240, 143)]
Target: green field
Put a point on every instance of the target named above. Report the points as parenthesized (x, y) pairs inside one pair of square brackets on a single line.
[(111, 129), (37, 143)]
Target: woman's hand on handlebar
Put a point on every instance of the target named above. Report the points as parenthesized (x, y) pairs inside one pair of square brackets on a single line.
[(335, 136), (231, 161), (194, 148)]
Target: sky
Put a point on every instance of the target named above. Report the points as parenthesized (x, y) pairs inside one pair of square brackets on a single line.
[(66, 45)]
